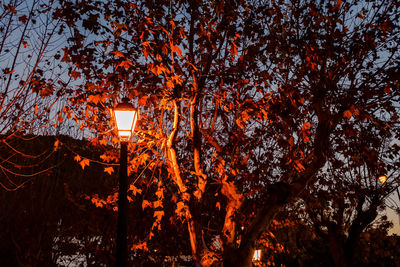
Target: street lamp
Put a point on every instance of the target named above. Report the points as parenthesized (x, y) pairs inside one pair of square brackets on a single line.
[(257, 256), (125, 116), (382, 179)]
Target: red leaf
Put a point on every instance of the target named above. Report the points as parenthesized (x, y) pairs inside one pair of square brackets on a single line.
[(387, 89), (75, 74), (22, 19), (11, 8), (8, 71)]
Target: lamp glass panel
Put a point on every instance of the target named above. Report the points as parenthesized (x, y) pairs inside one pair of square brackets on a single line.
[(126, 120), (257, 255)]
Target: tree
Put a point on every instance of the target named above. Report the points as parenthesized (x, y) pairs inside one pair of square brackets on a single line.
[(378, 249), (33, 83), (242, 102), (348, 195), (292, 242)]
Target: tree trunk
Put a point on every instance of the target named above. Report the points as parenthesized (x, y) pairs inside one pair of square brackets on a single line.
[(278, 196), (363, 219), (238, 258), (336, 248)]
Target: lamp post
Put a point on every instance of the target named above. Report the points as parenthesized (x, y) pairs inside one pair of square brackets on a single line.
[(125, 116)]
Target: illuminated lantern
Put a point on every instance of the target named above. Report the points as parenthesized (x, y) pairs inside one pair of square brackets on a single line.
[(382, 179), (257, 255), (125, 116)]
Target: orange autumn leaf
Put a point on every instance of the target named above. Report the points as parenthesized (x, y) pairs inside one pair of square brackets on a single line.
[(60, 118), (158, 214), (77, 158), (299, 167), (140, 246), (347, 114), (84, 162), (95, 98), (117, 54), (145, 204), (103, 142), (98, 202), (180, 209), (176, 49), (125, 64), (25, 44), (160, 194), (157, 204), (142, 101), (169, 84), (109, 170), (145, 52), (338, 4), (306, 125), (134, 190), (56, 145)]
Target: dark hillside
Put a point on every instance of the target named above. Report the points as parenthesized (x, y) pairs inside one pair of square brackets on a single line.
[(45, 214)]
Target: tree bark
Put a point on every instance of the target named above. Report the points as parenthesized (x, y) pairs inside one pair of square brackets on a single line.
[(336, 245), (173, 162), (363, 219), (278, 195)]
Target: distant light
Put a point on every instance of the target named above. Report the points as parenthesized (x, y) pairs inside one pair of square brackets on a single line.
[(257, 255), (382, 179)]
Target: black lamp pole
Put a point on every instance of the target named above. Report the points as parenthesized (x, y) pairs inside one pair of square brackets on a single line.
[(121, 258)]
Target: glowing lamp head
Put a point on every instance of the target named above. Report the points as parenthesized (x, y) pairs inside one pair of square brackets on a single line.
[(382, 179), (257, 255), (125, 116)]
